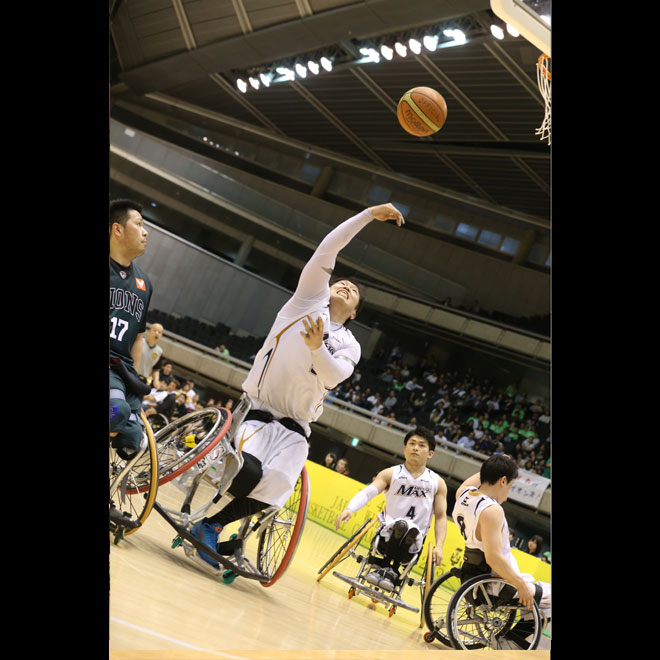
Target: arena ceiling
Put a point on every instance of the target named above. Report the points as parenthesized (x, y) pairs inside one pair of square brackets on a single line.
[(195, 50)]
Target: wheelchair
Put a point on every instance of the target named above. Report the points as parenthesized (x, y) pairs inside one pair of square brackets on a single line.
[(371, 561), (277, 530), (467, 612), (133, 485)]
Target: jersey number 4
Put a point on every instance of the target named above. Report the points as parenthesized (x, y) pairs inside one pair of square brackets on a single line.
[(118, 325), (411, 513)]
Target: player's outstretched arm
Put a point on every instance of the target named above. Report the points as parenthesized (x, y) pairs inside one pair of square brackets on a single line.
[(315, 276), (378, 485)]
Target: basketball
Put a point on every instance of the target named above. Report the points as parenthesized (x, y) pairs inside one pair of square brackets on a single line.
[(422, 111)]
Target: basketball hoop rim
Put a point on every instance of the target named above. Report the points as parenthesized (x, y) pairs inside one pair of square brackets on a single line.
[(542, 67)]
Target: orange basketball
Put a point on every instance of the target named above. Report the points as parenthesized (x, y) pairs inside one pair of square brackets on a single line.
[(422, 111)]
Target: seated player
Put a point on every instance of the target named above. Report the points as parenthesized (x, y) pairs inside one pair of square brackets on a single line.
[(479, 515), (414, 495)]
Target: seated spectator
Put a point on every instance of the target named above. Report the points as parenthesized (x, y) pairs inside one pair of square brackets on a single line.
[(180, 407), (357, 376), (330, 460), (391, 401), (167, 404), (387, 376), (342, 466), (535, 546), (467, 441), (222, 350), (161, 377)]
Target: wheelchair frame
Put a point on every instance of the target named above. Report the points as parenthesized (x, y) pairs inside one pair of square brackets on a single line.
[(359, 584), (268, 524)]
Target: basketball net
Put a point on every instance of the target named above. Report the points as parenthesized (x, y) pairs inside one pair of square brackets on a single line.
[(544, 80)]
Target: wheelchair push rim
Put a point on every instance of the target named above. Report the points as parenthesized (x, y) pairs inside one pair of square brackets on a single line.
[(275, 551), (475, 619)]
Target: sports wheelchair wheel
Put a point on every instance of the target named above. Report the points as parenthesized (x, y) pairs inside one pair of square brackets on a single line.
[(134, 483), (346, 547), (281, 534), (186, 440), (484, 613), (158, 421), (435, 604)]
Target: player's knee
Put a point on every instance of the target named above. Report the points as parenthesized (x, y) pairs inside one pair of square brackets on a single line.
[(248, 476), (410, 537), (120, 413)]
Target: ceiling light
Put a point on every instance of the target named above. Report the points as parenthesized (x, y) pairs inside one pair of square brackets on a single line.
[(369, 55), (459, 37), (241, 85), (400, 49), (430, 42), (301, 70), (265, 79), (326, 64), (386, 52), (512, 31), (497, 31), (313, 67), (286, 74), (546, 18), (415, 46), (254, 82)]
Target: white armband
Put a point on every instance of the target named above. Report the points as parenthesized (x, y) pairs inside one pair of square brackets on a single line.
[(361, 498)]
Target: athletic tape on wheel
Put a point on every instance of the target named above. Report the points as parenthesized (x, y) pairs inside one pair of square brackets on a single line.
[(330, 492)]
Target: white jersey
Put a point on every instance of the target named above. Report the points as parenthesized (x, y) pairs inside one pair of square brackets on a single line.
[(411, 499), (470, 504), (283, 379)]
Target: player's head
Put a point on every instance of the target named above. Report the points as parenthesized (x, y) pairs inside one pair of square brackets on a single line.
[(499, 471), (127, 227), (346, 297), (154, 333), (421, 435)]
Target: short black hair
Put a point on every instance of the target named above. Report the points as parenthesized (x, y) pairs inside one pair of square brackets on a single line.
[(496, 467), (422, 432), (352, 280), (119, 210)]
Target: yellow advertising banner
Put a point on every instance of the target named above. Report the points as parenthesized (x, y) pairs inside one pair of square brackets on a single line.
[(330, 492)]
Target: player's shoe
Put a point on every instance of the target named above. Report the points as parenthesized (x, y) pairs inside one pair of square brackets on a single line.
[(375, 577), (208, 535), (388, 580)]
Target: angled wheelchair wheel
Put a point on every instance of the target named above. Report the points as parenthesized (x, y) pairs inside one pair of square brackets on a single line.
[(435, 604), (482, 613), (134, 491), (280, 536), (158, 421), (346, 547), (187, 440)]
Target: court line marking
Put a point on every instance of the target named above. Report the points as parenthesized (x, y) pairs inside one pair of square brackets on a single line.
[(176, 641)]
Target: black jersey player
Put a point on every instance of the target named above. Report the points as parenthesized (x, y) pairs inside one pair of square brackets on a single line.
[(130, 294)]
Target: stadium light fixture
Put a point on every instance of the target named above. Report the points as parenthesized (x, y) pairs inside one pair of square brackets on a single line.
[(512, 30), (497, 31), (430, 42), (415, 46), (386, 52), (254, 82), (400, 49), (265, 79), (313, 67), (301, 70), (241, 84), (326, 64)]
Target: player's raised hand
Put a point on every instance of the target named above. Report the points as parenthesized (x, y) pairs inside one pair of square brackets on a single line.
[(384, 212)]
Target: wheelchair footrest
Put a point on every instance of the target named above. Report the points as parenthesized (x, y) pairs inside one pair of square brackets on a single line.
[(374, 593), (223, 561)]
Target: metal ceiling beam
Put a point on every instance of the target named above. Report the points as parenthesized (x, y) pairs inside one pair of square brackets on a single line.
[(242, 16), (186, 30), (237, 96), (361, 144), (458, 150), (515, 70), (360, 20)]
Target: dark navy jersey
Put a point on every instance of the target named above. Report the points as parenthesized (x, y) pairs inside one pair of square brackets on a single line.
[(130, 294)]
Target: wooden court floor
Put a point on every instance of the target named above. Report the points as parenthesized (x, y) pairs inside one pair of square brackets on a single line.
[(163, 605)]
